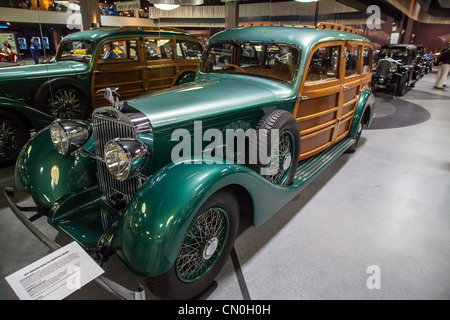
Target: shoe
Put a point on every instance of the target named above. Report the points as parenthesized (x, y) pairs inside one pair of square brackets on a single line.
[(444, 85), (439, 87)]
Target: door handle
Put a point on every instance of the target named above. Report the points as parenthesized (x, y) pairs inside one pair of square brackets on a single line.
[(303, 98), (346, 88), (97, 71)]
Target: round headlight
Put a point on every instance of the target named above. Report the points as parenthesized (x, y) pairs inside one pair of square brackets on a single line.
[(69, 135), (125, 157), (393, 68), (59, 137)]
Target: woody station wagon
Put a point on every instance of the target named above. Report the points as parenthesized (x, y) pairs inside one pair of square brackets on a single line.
[(132, 59), (113, 185)]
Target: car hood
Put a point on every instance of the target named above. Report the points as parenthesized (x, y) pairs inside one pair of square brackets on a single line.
[(62, 68), (206, 97)]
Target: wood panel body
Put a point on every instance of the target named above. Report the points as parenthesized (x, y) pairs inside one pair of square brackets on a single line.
[(325, 109)]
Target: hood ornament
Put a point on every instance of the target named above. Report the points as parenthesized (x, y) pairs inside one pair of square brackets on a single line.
[(109, 95)]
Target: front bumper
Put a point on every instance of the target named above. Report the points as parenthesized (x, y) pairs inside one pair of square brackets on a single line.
[(107, 284)]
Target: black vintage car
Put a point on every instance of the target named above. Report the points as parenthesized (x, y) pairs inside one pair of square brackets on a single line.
[(426, 59), (397, 68)]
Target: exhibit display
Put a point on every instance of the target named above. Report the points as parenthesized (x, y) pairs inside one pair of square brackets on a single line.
[(163, 179), (225, 155)]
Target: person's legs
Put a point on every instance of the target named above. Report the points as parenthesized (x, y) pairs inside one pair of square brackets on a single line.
[(442, 75), (35, 57)]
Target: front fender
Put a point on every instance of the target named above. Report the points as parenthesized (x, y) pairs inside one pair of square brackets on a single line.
[(47, 175), (154, 224)]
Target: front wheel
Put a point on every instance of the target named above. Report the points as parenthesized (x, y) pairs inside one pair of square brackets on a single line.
[(205, 249), (62, 98), (14, 133)]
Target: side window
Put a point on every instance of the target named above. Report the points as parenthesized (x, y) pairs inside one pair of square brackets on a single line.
[(119, 51), (367, 59), (157, 49), (188, 50), (352, 59), (324, 64)]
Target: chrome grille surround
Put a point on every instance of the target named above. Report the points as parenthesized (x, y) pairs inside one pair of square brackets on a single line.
[(107, 124)]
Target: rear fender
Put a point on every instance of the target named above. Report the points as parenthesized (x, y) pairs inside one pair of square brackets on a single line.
[(364, 108)]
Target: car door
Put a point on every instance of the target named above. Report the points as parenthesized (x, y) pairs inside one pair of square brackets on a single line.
[(353, 79), (118, 65), (161, 67), (319, 100), (188, 55)]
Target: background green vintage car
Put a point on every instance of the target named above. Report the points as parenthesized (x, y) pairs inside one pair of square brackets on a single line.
[(16, 121), (122, 184), (145, 59)]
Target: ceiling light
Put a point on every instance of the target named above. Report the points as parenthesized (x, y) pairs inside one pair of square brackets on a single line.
[(173, 4), (163, 6), (306, 1)]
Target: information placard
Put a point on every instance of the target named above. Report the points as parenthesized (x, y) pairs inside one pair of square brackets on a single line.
[(55, 276)]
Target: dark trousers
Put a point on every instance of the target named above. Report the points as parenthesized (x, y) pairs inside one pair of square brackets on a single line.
[(35, 57)]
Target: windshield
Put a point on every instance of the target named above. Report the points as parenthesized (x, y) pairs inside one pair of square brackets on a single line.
[(394, 53), (274, 61), (79, 50)]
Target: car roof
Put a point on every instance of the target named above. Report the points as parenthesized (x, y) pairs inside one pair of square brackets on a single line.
[(100, 34), (305, 37)]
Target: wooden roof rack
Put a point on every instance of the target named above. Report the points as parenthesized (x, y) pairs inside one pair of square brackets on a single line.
[(141, 28), (320, 25), (335, 26)]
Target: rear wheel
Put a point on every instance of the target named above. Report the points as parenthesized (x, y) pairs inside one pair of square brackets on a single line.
[(205, 249)]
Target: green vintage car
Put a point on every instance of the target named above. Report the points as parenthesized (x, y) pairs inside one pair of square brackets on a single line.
[(162, 180), (17, 119)]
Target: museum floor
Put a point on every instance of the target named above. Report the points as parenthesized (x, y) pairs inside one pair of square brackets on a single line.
[(386, 208)]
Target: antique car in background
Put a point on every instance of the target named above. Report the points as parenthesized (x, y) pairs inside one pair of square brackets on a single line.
[(397, 68), (137, 60), (16, 122), (425, 58), (149, 180)]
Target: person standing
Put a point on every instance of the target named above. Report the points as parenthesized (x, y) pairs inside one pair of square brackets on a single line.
[(444, 68), (34, 48)]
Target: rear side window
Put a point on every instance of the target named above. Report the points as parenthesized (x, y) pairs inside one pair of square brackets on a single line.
[(352, 63), (157, 49), (324, 64), (367, 59), (119, 51), (188, 50)]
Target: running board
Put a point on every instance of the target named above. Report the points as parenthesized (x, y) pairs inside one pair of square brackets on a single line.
[(311, 167)]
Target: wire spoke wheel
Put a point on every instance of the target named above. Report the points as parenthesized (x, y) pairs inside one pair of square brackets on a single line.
[(203, 244), (65, 103), (9, 138)]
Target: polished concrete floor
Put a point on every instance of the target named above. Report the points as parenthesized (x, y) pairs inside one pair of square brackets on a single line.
[(381, 213)]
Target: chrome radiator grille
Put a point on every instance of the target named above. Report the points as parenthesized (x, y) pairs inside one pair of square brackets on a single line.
[(107, 126)]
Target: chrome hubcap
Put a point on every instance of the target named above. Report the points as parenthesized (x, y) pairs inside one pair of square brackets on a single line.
[(210, 248)]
